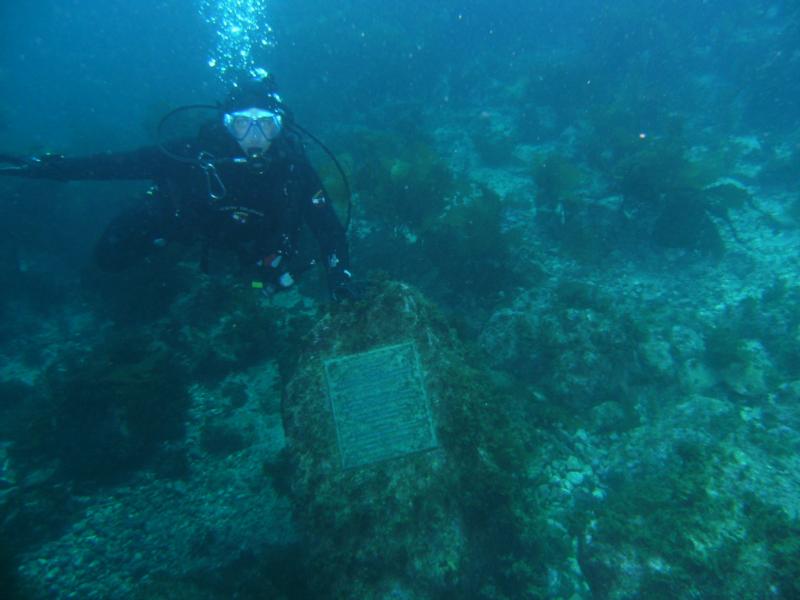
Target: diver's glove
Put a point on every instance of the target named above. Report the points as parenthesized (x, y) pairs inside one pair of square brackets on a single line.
[(13, 165), (46, 166), (342, 286)]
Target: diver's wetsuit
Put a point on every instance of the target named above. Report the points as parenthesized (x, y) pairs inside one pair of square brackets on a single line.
[(259, 209)]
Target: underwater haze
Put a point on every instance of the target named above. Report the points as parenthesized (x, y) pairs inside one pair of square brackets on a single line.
[(574, 228)]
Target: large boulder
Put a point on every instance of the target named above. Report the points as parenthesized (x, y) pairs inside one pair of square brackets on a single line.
[(447, 522)]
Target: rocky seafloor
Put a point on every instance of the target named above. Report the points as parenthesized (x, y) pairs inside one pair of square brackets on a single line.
[(612, 360)]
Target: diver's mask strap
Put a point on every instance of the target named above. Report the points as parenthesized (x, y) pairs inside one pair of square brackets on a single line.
[(216, 189)]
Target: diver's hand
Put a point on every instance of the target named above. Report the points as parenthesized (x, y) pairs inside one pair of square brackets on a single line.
[(13, 165), (46, 166)]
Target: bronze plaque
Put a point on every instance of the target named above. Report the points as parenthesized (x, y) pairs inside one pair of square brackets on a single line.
[(379, 405)]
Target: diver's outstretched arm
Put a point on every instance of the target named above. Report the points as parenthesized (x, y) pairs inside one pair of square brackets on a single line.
[(145, 163), (12, 165)]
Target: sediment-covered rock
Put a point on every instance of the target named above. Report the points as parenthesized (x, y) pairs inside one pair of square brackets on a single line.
[(448, 520)]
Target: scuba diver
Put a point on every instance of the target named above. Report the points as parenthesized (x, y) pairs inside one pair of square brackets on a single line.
[(243, 183)]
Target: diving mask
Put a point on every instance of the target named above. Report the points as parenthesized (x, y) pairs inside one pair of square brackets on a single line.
[(254, 128)]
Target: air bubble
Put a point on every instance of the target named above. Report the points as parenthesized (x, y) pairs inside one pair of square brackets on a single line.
[(241, 29)]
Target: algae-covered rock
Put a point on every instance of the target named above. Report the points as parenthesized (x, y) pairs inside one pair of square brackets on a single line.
[(471, 247), (442, 521), (752, 377), (558, 178), (107, 411), (495, 136), (695, 377), (695, 510), (572, 343), (401, 180), (684, 223)]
